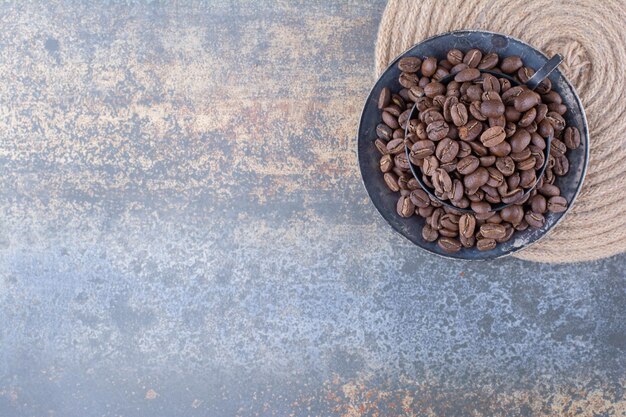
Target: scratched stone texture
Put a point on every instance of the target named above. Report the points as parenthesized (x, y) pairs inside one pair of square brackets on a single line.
[(183, 232)]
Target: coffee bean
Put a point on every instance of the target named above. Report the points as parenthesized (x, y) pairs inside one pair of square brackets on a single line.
[(571, 137), (526, 164), (510, 95), (495, 177), (402, 161), (431, 115), (429, 234), (467, 165), (478, 148), (535, 220), (386, 163), (511, 64), (423, 148), (512, 214), (447, 105), (504, 84), (408, 80), (450, 222), (468, 74), (458, 113), (474, 110), (524, 74), (557, 147), (467, 242), (513, 181), (409, 64), (442, 181), (393, 110), (449, 244), (526, 100), (449, 166), (492, 136), (492, 230), (440, 73), (557, 204), (474, 92), (520, 140), (545, 129), (390, 121), (556, 120), (505, 165), (490, 83), (395, 146), (497, 121), (405, 207), (527, 178), (476, 179), (423, 104), (470, 131), (549, 190), (561, 165), (420, 198), (383, 131), (522, 155), (487, 161), (430, 164), (489, 61), (434, 88), (447, 150), (537, 140), (437, 130), (458, 68), (415, 92), (512, 115), (472, 58), (381, 145), (392, 181), (456, 194), (512, 196), (413, 184), (538, 204), (492, 108), (486, 244), (384, 98), (467, 224), (429, 66)]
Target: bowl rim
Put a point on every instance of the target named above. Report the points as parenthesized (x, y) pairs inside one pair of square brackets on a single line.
[(585, 129)]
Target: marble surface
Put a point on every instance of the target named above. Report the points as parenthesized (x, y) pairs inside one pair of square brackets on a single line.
[(184, 232)]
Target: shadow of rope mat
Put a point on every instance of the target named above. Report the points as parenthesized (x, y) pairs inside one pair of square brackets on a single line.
[(591, 38)]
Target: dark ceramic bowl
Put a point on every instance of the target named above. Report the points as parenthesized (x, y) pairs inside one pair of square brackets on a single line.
[(385, 200)]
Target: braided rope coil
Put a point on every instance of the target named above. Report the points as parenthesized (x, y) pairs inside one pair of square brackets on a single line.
[(591, 37)]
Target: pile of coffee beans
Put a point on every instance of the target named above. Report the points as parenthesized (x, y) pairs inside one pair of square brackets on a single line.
[(477, 141)]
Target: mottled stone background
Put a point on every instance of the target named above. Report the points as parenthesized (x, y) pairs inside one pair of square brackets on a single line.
[(183, 232)]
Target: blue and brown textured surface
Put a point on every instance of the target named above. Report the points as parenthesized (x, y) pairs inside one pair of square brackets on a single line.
[(183, 232)]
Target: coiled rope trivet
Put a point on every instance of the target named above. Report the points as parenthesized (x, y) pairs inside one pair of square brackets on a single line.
[(591, 37)]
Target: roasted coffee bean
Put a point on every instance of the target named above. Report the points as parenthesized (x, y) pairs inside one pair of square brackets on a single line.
[(403, 182), (539, 156), (492, 108), (423, 104), (537, 140), (454, 56), (434, 88), (505, 165), (392, 181), (450, 222), (420, 198), (449, 166), (449, 244), (458, 113), (381, 145), (556, 120), (431, 115), (526, 100), (415, 93), (561, 165), (447, 150), (557, 147), (557, 108), (439, 100), (549, 190), (464, 149), (512, 214), (490, 83), (504, 84), (489, 61), (470, 131), (510, 95), (430, 164), (511, 64), (408, 80), (524, 74), (557, 204), (571, 137), (545, 129), (528, 117), (409, 64), (492, 230), (510, 128), (497, 121), (393, 109), (522, 155), (423, 148), (511, 114), (538, 204), (453, 89), (512, 196), (490, 95), (386, 163), (467, 225), (469, 74), (413, 184), (487, 161), (508, 234), (535, 220), (395, 146), (429, 66), (476, 179), (492, 136), (458, 68), (467, 242), (500, 150), (398, 133), (383, 131), (478, 148), (474, 110), (520, 140), (425, 211), (474, 92), (429, 234), (424, 81), (384, 98), (527, 178), (473, 57), (467, 165), (526, 164), (401, 161), (437, 130), (405, 207), (486, 244), (457, 192), (440, 73), (513, 181), (390, 120), (495, 177), (442, 181), (447, 105)]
